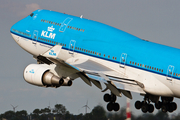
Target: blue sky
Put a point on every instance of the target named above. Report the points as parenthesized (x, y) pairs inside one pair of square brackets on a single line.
[(156, 21)]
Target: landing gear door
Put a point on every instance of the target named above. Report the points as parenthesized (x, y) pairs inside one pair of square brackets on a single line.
[(170, 72), (35, 37), (65, 24), (72, 46), (123, 60)]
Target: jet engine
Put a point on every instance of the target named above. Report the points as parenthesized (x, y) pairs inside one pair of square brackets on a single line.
[(40, 75)]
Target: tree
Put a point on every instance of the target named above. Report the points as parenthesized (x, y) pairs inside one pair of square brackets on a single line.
[(98, 113), (36, 113), (9, 115), (59, 109), (20, 115)]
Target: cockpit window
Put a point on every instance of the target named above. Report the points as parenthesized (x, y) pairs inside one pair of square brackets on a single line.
[(31, 14)]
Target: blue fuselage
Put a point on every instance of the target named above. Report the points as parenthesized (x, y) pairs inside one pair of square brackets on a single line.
[(98, 40)]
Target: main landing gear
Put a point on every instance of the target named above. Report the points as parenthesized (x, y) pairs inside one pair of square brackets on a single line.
[(166, 105), (112, 105)]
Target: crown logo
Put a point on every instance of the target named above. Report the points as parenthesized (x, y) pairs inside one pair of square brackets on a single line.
[(51, 29)]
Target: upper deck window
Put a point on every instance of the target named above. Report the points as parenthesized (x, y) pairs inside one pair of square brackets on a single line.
[(31, 14)]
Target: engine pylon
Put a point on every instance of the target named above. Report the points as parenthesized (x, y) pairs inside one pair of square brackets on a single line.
[(128, 110)]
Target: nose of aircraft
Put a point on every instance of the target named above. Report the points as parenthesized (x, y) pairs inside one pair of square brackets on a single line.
[(14, 32), (20, 29)]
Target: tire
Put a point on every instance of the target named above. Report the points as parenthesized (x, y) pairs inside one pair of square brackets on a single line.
[(145, 108), (113, 98), (164, 108), (107, 97), (116, 107), (138, 105), (151, 108), (171, 107), (110, 106), (174, 106), (158, 105)]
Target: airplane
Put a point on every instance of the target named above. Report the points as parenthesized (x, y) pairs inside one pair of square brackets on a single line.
[(68, 47)]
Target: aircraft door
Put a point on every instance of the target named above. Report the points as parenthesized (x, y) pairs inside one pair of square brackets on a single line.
[(170, 72), (123, 60), (72, 47), (35, 37), (65, 24)]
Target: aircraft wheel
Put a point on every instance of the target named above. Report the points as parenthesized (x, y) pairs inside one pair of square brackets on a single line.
[(113, 98), (151, 108), (138, 104), (107, 97), (164, 108), (171, 107), (145, 108), (110, 106), (174, 106), (158, 105), (116, 106)]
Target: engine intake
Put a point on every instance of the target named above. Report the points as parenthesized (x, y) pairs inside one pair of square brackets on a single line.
[(40, 75)]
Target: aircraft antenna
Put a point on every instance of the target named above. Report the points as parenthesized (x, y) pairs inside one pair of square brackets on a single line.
[(81, 16)]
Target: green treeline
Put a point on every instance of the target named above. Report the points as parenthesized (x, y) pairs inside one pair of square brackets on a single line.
[(59, 112)]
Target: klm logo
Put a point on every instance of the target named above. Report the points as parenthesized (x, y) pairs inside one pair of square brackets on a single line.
[(32, 71), (52, 53), (49, 33)]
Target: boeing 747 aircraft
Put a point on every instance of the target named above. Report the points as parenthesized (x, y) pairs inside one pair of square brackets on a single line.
[(68, 47)]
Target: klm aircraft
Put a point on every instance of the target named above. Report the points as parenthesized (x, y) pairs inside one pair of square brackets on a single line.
[(68, 47)]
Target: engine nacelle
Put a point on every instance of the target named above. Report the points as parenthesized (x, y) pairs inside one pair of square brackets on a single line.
[(40, 75)]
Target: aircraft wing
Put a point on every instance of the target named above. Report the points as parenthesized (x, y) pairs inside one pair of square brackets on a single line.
[(91, 71)]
